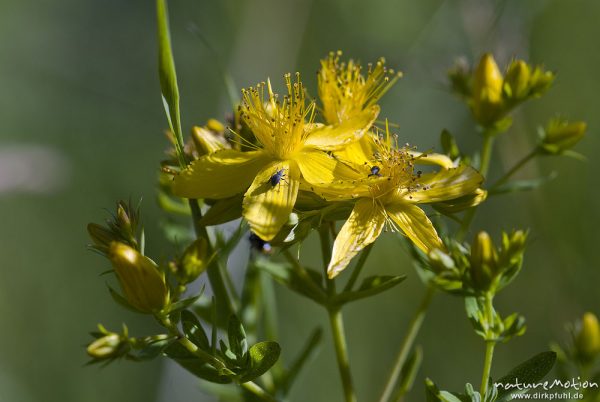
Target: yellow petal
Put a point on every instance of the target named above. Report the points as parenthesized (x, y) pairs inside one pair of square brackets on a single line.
[(358, 152), (219, 175), (446, 184), (331, 138), (432, 159), (361, 229), (317, 167), (267, 207), (415, 225)]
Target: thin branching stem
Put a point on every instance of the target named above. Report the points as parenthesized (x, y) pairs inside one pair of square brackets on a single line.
[(407, 344)]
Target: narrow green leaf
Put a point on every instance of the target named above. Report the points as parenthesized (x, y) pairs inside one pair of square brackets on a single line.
[(122, 301), (409, 372), (523, 185), (223, 211), (195, 365), (182, 304), (263, 356), (306, 354), (237, 337), (193, 330), (370, 286), (167, 74), (530, 371)]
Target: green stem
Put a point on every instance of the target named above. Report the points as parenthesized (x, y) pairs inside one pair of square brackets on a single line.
[(486, 157), (407, 344), (191, 347), (215, 276), (256, 390), (487, 367), (515, 169), (341, 351), (489, 345)]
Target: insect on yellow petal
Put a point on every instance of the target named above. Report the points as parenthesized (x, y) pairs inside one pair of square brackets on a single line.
[(271, 197)]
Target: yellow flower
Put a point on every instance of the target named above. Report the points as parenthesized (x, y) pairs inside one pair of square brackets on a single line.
[(388, 192), (345, 92), (292, 148)]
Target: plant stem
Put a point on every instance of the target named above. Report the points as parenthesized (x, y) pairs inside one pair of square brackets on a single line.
[(487, 367), (256, 390), (215, 276), (191, 347), (341, 351), (336, 321), (489, 345), (486, 157), (407, 344), (515, 169)]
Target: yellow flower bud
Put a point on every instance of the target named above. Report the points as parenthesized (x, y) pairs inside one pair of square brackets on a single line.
[(460, 204), (483, 261), (142, 283), (587, 338), (208, 141), (561, 135), (487, 91), (105, 347), (516, 81)]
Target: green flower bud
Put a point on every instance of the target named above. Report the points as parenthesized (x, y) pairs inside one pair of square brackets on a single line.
[(484, 261), (587, 338), (561, 135), (516, 80), (109, 346), (193, 262), (487, 102), (142, 283), (540, 81)]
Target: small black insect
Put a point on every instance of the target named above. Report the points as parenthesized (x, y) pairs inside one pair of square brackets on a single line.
[(277, 177), (375, 171), (259, 244)]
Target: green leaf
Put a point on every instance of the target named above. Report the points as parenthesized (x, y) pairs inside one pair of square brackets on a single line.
[(530, 371), (290, 278), (237, 337), (223, 211), (182, 304), (370, 286), (193, 330), (195, 365), (152, 349), (122, 301), (409, 372), (522, 185), (263, 356), (307, 353), (433, 394), (167, 74)]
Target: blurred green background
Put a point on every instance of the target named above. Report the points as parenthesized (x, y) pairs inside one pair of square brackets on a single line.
[(81, 125)]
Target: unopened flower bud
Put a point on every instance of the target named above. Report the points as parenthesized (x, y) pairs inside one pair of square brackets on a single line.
[(193, 262), (483, 261), (516, 80), (208, 141), (487, 91), (561, 135), (142, 283), (460, 204), (587, 338), (106, 347)]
